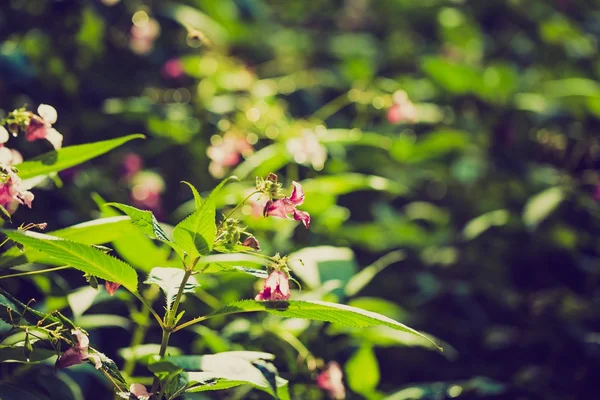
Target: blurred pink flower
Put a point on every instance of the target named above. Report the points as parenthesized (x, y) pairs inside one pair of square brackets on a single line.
[(281, 208), (331, 381), (307, 149), (597, 193), (225, 153), (143, 35), (147, 188), (173, 69), (403, 110), (40, 127), (131, 165), (78, 353), (277, 287), (11, 192), (111, 287)]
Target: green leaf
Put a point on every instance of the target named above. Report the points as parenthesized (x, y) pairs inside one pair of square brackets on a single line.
[(226, 370), (20, 310), (324, 263), (70, 156), (540, 206), (196, 234), (134, 246), (234, 262), (146, 222), (197, 197), (79, 256), (19, 392), (362, 279), (318, 311), (362, 370), (97, 231), (169, 280), (144, 353), (40, 350), (482, 223)]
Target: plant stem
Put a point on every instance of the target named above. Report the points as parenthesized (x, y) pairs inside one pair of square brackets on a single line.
[(332, 107), (163, 349), (189, 323), (236, 207), (149, 307), (140, 329), (39, 271), (168, 325)]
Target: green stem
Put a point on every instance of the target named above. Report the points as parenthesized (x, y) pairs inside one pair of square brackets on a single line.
[(238, 206), (149, 307), (332, 107), (189, 323), (168, 325), (140, 329), (163, 349), (39, 271)]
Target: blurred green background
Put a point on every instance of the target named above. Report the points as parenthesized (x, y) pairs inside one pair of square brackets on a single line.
[(450, 146)]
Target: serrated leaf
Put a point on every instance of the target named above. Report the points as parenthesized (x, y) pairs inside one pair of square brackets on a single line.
[(20, 310), (318, 311), (40, 350), (144, 220), (226, 370), (79, 256), (169, 280), (197, 197), (196, 234), (70, 156), (96, 231)]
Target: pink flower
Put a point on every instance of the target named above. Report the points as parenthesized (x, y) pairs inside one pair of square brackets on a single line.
[(331, 381), (225, 152), (8, 156), (277, 287), (11, 192), (403, 110), (78, 353), (147, 188), (283, 207), (111, 287), (40, 127), (139, 391), (173, 69), (131, 165)]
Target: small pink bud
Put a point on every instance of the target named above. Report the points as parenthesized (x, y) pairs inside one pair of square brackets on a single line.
[(251, 242), (111, 287)]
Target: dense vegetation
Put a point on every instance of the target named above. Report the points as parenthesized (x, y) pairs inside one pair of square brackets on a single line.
[(448, 156)]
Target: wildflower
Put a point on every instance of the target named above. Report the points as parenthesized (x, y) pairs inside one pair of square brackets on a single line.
[(307, 149), (131, 165), (283, 207), (143, 34), (225, 152), (8, 156), (173, 69), (403, 110), (78, 353), (277, 287), (147, 188), (40, 127), (11, 192), (111, 287), (138, 390), (251, 242), (331, 381)]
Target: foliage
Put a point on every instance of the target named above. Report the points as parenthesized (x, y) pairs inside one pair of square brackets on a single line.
[(446, 153)]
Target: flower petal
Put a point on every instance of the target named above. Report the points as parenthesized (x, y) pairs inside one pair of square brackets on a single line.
[(48, 113), (73, 356), (297, 197), (54, 137), (3, 134), (139, 391), (302, 216), (278, 208)]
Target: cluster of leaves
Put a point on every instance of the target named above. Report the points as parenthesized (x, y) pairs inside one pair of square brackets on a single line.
[(484, 202)]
